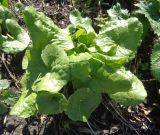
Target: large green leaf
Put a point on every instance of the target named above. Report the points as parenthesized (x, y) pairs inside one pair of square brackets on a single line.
[(43, 31), (80, 70), (110, 80), (113, 61), (112, 50), (76, 68), (26, 105), (135, 95), (36, 68), (155, 60), (54, 55), (82, 103), (122, 33), (150, 9), (49, 103), (63, 39), (79, 67), (41, 28), (52, 82)]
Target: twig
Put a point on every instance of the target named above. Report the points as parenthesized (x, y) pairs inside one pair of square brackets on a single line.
[(149, 80), (119, 116)]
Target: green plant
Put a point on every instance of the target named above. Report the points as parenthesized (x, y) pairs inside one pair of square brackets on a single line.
[(4, 2), (13, 38), (93, 63), (6, 96), (4, 84), (150, 11)]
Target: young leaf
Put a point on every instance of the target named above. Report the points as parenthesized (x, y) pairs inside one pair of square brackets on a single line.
[(77, 21), (117, 13), (105, 45), (82, 103)]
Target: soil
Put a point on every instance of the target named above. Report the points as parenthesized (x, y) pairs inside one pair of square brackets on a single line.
[(109, 118)]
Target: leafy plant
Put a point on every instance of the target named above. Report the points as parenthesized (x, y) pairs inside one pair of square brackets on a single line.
[(7, 97), (150, 9), (13, 38), (92, 62)]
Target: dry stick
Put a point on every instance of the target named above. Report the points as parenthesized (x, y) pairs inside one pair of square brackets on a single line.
[(100, 9), (149, 80), (120, 117), (9, 72), (90, 128), (42, 126), (123, 119)]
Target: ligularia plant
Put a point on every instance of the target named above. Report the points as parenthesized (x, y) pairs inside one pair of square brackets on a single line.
[(93, 63)]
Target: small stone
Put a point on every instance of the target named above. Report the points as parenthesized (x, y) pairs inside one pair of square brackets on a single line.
[(114, 129)]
